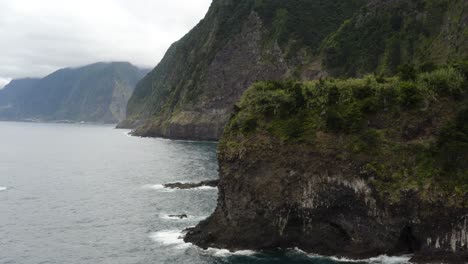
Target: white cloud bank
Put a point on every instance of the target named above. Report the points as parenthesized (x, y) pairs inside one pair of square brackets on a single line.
[(38, 37)]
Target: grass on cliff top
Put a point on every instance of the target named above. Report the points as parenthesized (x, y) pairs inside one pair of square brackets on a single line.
[(408, 132)]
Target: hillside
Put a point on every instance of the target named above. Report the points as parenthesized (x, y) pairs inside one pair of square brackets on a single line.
[(190, 93), (386, 34), (93, 93), (347, 167)]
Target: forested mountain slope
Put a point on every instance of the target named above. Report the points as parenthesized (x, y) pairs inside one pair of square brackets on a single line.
[(93, 93)]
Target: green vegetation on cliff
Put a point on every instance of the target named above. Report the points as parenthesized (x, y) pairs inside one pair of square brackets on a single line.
[(191, 92), (384, 35), (405, 133), (238, 42)]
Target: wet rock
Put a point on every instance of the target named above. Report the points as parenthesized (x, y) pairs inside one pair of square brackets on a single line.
[(181, 216), (184, 186)]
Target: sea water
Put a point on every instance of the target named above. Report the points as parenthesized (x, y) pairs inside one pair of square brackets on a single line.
[(92, 194)]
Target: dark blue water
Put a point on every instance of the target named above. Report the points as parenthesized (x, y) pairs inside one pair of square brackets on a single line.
[(91, 194)]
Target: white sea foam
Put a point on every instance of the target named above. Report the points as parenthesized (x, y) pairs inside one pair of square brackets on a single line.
[(216, 252), (170, 238), (383, 259), (158, 187), (390, 260), (3, 188), (339, 259), (203, 188)]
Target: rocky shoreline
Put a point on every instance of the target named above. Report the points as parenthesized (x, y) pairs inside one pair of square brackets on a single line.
[(385, 186), (282, 204)]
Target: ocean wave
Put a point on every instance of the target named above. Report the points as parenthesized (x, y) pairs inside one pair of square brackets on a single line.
[(382, 259), (204, 188), (170, 238), (390, 259), (222, 253)]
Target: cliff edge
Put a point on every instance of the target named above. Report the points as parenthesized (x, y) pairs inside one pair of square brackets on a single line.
[(354, 168)]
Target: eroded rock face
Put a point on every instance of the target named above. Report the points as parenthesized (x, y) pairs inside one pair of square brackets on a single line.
[(233, 69), (297, 197)]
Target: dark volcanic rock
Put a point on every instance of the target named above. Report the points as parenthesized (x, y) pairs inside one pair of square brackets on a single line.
[(292, 180), (440, 257), (180, 185), (181, 216), (315, 203)]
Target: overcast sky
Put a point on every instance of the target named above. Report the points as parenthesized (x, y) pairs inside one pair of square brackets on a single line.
[(38, 37)]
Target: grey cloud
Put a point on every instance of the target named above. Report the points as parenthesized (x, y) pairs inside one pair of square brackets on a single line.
[(38, 37)]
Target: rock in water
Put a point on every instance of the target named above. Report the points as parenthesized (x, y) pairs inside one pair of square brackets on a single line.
[(180, 185), (181, 216)]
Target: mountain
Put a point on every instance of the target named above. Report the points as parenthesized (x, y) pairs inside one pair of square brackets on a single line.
[(94, 93), (352, 168), (14, 90), (191, 92)]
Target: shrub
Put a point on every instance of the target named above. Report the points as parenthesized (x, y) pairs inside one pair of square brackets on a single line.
[(333, 96), (445, 81), (427, 67), (462, 67), (410, 96), (452, 144), (407, 72), (334, 121)]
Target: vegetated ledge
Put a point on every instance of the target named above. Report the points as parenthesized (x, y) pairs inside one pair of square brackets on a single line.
[(353, 168)]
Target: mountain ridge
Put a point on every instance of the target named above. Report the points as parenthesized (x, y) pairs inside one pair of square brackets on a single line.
[(190, 94), (92, 93)]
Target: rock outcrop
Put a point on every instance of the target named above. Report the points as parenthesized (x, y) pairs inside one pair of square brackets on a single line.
[(191, 185), (353, 168)]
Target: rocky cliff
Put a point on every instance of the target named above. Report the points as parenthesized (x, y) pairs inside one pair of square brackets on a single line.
[(93, 93), (354, 168), (190, 94)]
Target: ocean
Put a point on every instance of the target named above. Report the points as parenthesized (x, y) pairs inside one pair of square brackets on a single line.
[(80, 193)]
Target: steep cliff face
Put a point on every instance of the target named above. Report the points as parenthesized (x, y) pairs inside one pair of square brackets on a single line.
[(190, 94), (93, 93), (355, 168)]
